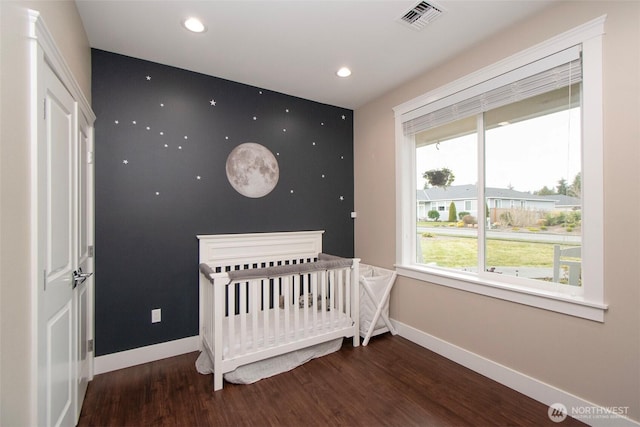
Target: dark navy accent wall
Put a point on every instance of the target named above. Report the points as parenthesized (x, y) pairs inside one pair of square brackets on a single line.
[(162, 138)]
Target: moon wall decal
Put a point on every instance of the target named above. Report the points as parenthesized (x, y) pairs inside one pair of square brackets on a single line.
[(252, 170)]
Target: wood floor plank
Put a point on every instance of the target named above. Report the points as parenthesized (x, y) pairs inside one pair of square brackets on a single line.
[(391, 382)]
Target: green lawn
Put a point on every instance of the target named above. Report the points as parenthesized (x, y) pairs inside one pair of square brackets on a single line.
[(462, 252)]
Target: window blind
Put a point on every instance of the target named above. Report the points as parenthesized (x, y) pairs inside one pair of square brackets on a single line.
[(556, 71)]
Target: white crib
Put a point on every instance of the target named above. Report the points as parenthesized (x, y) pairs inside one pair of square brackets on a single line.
[(264, 295)]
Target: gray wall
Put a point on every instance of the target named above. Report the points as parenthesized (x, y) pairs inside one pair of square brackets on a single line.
[(161, 181)]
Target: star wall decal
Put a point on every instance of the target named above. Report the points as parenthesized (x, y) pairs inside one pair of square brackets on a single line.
[(288, 113)]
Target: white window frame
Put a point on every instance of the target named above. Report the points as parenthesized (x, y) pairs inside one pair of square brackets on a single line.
[(590, 305)]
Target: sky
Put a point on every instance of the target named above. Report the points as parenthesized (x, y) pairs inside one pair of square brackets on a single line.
[(525, 156)]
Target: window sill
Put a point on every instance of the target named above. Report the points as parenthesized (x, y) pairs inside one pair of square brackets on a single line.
[(560, 303)]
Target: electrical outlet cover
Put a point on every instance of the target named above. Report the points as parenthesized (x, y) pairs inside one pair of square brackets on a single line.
[(156, 315)]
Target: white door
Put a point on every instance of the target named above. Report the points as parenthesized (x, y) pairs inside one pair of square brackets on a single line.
[(62, 210), (84, 260)]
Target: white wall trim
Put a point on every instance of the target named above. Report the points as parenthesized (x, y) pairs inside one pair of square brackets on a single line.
[(534, 297), (38, 31), (529, 386), (150, 353)]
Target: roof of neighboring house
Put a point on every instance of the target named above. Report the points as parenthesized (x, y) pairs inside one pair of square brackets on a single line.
[(470, 191), (562, 200)]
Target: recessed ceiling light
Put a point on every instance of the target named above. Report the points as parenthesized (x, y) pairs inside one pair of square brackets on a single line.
[(343, 72), (195, 25)]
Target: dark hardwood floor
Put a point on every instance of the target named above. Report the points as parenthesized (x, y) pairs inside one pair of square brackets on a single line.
[(391, 382)]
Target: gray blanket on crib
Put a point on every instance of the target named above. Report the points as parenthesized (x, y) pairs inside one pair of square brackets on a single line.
[(325, 262)]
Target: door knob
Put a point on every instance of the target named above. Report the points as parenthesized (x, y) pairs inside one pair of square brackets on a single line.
[(79, 277)]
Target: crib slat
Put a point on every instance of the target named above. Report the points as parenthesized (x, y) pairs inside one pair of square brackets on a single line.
[(277, 292), (254, 309), (306, 280), (313, 307), (266, 293), (323, 292), (317, 277), (328, 294), (243, 317), (342, 288), (341, 291), (349, 291), (296, 307), (333, 285), (231, 307), (327, 290), (286, 285)]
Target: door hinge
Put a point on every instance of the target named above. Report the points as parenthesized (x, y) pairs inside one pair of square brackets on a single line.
[(90, 157), (90, 249), (44, 108), (90, 345)]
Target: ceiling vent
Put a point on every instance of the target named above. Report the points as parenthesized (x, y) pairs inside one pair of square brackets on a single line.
[(420, 15)]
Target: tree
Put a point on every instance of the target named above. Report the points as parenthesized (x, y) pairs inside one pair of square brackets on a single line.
[(452, 212), (562, 186), (545, 191), (434, 215), (575, 189)]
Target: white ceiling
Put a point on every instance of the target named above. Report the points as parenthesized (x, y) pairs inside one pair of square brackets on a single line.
[(295, 47)]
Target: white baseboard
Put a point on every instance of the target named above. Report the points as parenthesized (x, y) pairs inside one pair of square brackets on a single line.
[(150, 353), (577, 407)]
